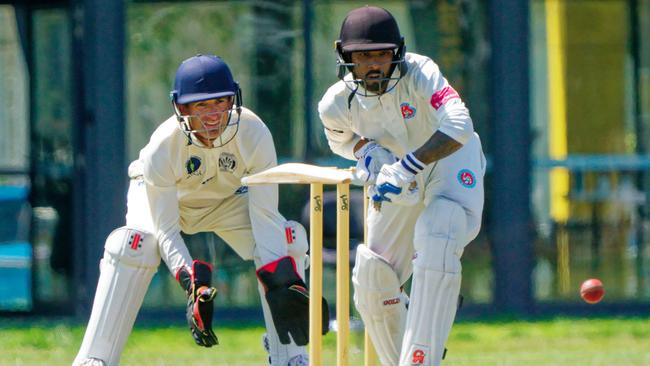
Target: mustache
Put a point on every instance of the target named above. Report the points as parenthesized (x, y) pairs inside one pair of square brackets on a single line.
[(375, 73)]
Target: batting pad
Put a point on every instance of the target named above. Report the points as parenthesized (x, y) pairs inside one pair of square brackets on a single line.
[(439, 242), (380, 302), (131, 258)]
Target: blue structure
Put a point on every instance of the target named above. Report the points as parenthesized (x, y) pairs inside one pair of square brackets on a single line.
[(15, 251)]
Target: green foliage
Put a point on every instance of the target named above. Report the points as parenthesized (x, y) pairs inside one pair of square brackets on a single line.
[(557, 342)]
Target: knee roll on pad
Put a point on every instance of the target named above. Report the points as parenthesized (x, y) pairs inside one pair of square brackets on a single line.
[(132, 248), (131, 258), (441, 236), (380, 302)]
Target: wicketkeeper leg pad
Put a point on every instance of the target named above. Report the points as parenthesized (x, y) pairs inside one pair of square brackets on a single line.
[(297, 246), (381, 303), (440, 237), (131, 258)]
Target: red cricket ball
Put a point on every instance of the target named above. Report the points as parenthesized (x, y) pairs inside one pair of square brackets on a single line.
[(592, 291)]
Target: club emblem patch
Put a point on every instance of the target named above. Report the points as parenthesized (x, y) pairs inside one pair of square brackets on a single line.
[(192, 165), (227, 162), (408, 111), (467, 178)]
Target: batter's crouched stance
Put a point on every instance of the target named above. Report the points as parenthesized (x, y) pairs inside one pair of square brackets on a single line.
[(414, 143), (187, 178)]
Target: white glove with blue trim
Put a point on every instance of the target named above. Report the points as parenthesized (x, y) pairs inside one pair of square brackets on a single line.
[(396, 182), (370, 158)]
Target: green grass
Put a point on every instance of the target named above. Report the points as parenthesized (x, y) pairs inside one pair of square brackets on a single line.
[(556, 342)]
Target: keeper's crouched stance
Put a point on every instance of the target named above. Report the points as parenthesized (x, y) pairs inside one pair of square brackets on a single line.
[(187, 178)]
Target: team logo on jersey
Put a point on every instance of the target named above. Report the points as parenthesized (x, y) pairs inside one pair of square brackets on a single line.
[(227, 162), (467, 178), (408, 111), (192, 165)]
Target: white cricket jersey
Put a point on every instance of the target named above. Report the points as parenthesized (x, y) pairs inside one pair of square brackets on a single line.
[(186, 184), (402, 119)]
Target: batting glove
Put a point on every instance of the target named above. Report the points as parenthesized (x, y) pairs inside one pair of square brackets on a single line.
[(288, 300), (200, 302), (396, 182), (370, 158)]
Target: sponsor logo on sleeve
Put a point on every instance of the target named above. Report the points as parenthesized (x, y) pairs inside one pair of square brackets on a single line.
[(442, 96), (408, 111), (467, 178)]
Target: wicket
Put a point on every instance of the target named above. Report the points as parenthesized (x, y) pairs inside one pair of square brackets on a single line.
[(316, 177)]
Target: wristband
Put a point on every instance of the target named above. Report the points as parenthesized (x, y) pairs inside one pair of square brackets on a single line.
[(411, 164)]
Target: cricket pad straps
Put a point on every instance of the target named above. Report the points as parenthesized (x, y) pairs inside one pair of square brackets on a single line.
[(288, 299)]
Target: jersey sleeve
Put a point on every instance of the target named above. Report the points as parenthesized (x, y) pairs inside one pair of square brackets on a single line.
[(340, 137), (266, 221), (452, 114), (163, 201)]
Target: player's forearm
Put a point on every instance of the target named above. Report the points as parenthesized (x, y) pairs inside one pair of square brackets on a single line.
[(174, 252), (360, 144), (437, 147)]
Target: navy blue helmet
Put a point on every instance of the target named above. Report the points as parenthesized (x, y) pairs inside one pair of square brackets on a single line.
[(200, 78), (204, 77)]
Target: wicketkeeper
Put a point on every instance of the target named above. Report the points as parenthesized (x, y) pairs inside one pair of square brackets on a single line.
[(414, 143), (187, 178)]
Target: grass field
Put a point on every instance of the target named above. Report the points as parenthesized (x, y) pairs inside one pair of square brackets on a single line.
[(553, 342)]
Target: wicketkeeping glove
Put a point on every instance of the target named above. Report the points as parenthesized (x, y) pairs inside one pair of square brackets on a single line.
[(200, 302), (396, 182), (288, 299), (370, 158)]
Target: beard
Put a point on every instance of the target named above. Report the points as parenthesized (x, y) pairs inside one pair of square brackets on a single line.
[(375, 82)]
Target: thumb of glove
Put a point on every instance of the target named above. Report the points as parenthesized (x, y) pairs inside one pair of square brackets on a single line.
[(359, 177), (206, 294)]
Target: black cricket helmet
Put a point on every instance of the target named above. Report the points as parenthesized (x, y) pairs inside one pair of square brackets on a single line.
[(369, 28)]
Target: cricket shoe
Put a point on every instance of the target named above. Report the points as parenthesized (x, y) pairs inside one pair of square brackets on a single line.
[(92, 362), (298, 360)]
